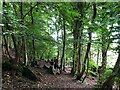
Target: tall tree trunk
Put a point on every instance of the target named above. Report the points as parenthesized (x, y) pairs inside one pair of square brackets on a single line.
[(33, 40), (58, 47), (88, 45), (105, 47), (64, 43), (6, 47), (80, 49), (23, 37), (75, 45), (86, 57), (80, 9), (33, 43)]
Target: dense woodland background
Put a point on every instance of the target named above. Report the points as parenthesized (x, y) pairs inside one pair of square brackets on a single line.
[(68, 33)]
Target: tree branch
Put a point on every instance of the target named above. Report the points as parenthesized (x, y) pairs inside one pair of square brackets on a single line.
[(30, 10), (94, 12)]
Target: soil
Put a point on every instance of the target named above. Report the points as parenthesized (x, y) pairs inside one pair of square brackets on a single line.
[(45, 80)]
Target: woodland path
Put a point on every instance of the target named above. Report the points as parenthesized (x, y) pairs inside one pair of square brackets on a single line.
[(46, 80)]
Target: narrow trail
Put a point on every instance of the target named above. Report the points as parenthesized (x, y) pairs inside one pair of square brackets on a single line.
[(46, 80), (66, 80)]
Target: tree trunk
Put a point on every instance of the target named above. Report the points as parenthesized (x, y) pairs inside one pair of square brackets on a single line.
[(86, 70), (79, 76), (14, 43), (75, 44), (98, 56), (80, 50), (107, 85), (104, 59), (58, 47), (80, 9), (33, 40), (7, 48), (86, 57), (64, 41), (33, 43), (23, 37)]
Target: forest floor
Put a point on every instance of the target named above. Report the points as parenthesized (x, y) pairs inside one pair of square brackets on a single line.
[(45, 80)]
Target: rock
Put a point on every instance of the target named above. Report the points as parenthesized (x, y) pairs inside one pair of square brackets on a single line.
[(46, 66), (78, 81), (29, 74)]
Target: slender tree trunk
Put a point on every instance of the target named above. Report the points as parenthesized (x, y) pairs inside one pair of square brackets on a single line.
[(7, 48), (75, 45), (64, 43), (86, 70), (98, 56), (23, 37), (80, 51), (104, 59), (33, 43), (14, 43), (86, 56), (58, 48), (64, 64)]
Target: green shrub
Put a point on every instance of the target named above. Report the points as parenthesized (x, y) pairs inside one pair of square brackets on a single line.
[(93, 66), (117, 80), (104, 76), (108, 72), (92, 73)]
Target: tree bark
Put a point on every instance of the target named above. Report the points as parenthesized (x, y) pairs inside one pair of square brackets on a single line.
[(75, 45), (98, 56), (107, 85), (80, 49), (86, 57), (88, 46), (33, 40), (14, 43), (58, 48), (23, 37), (80, 9), (33, 43), (6, 47), (64, 43)]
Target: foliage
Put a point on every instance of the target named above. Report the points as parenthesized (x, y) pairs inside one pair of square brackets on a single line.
[(93, 66), (34, 31), (92, 73)]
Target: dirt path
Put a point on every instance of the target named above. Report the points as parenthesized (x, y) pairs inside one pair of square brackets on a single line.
[(66, 81), (46, 80)]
